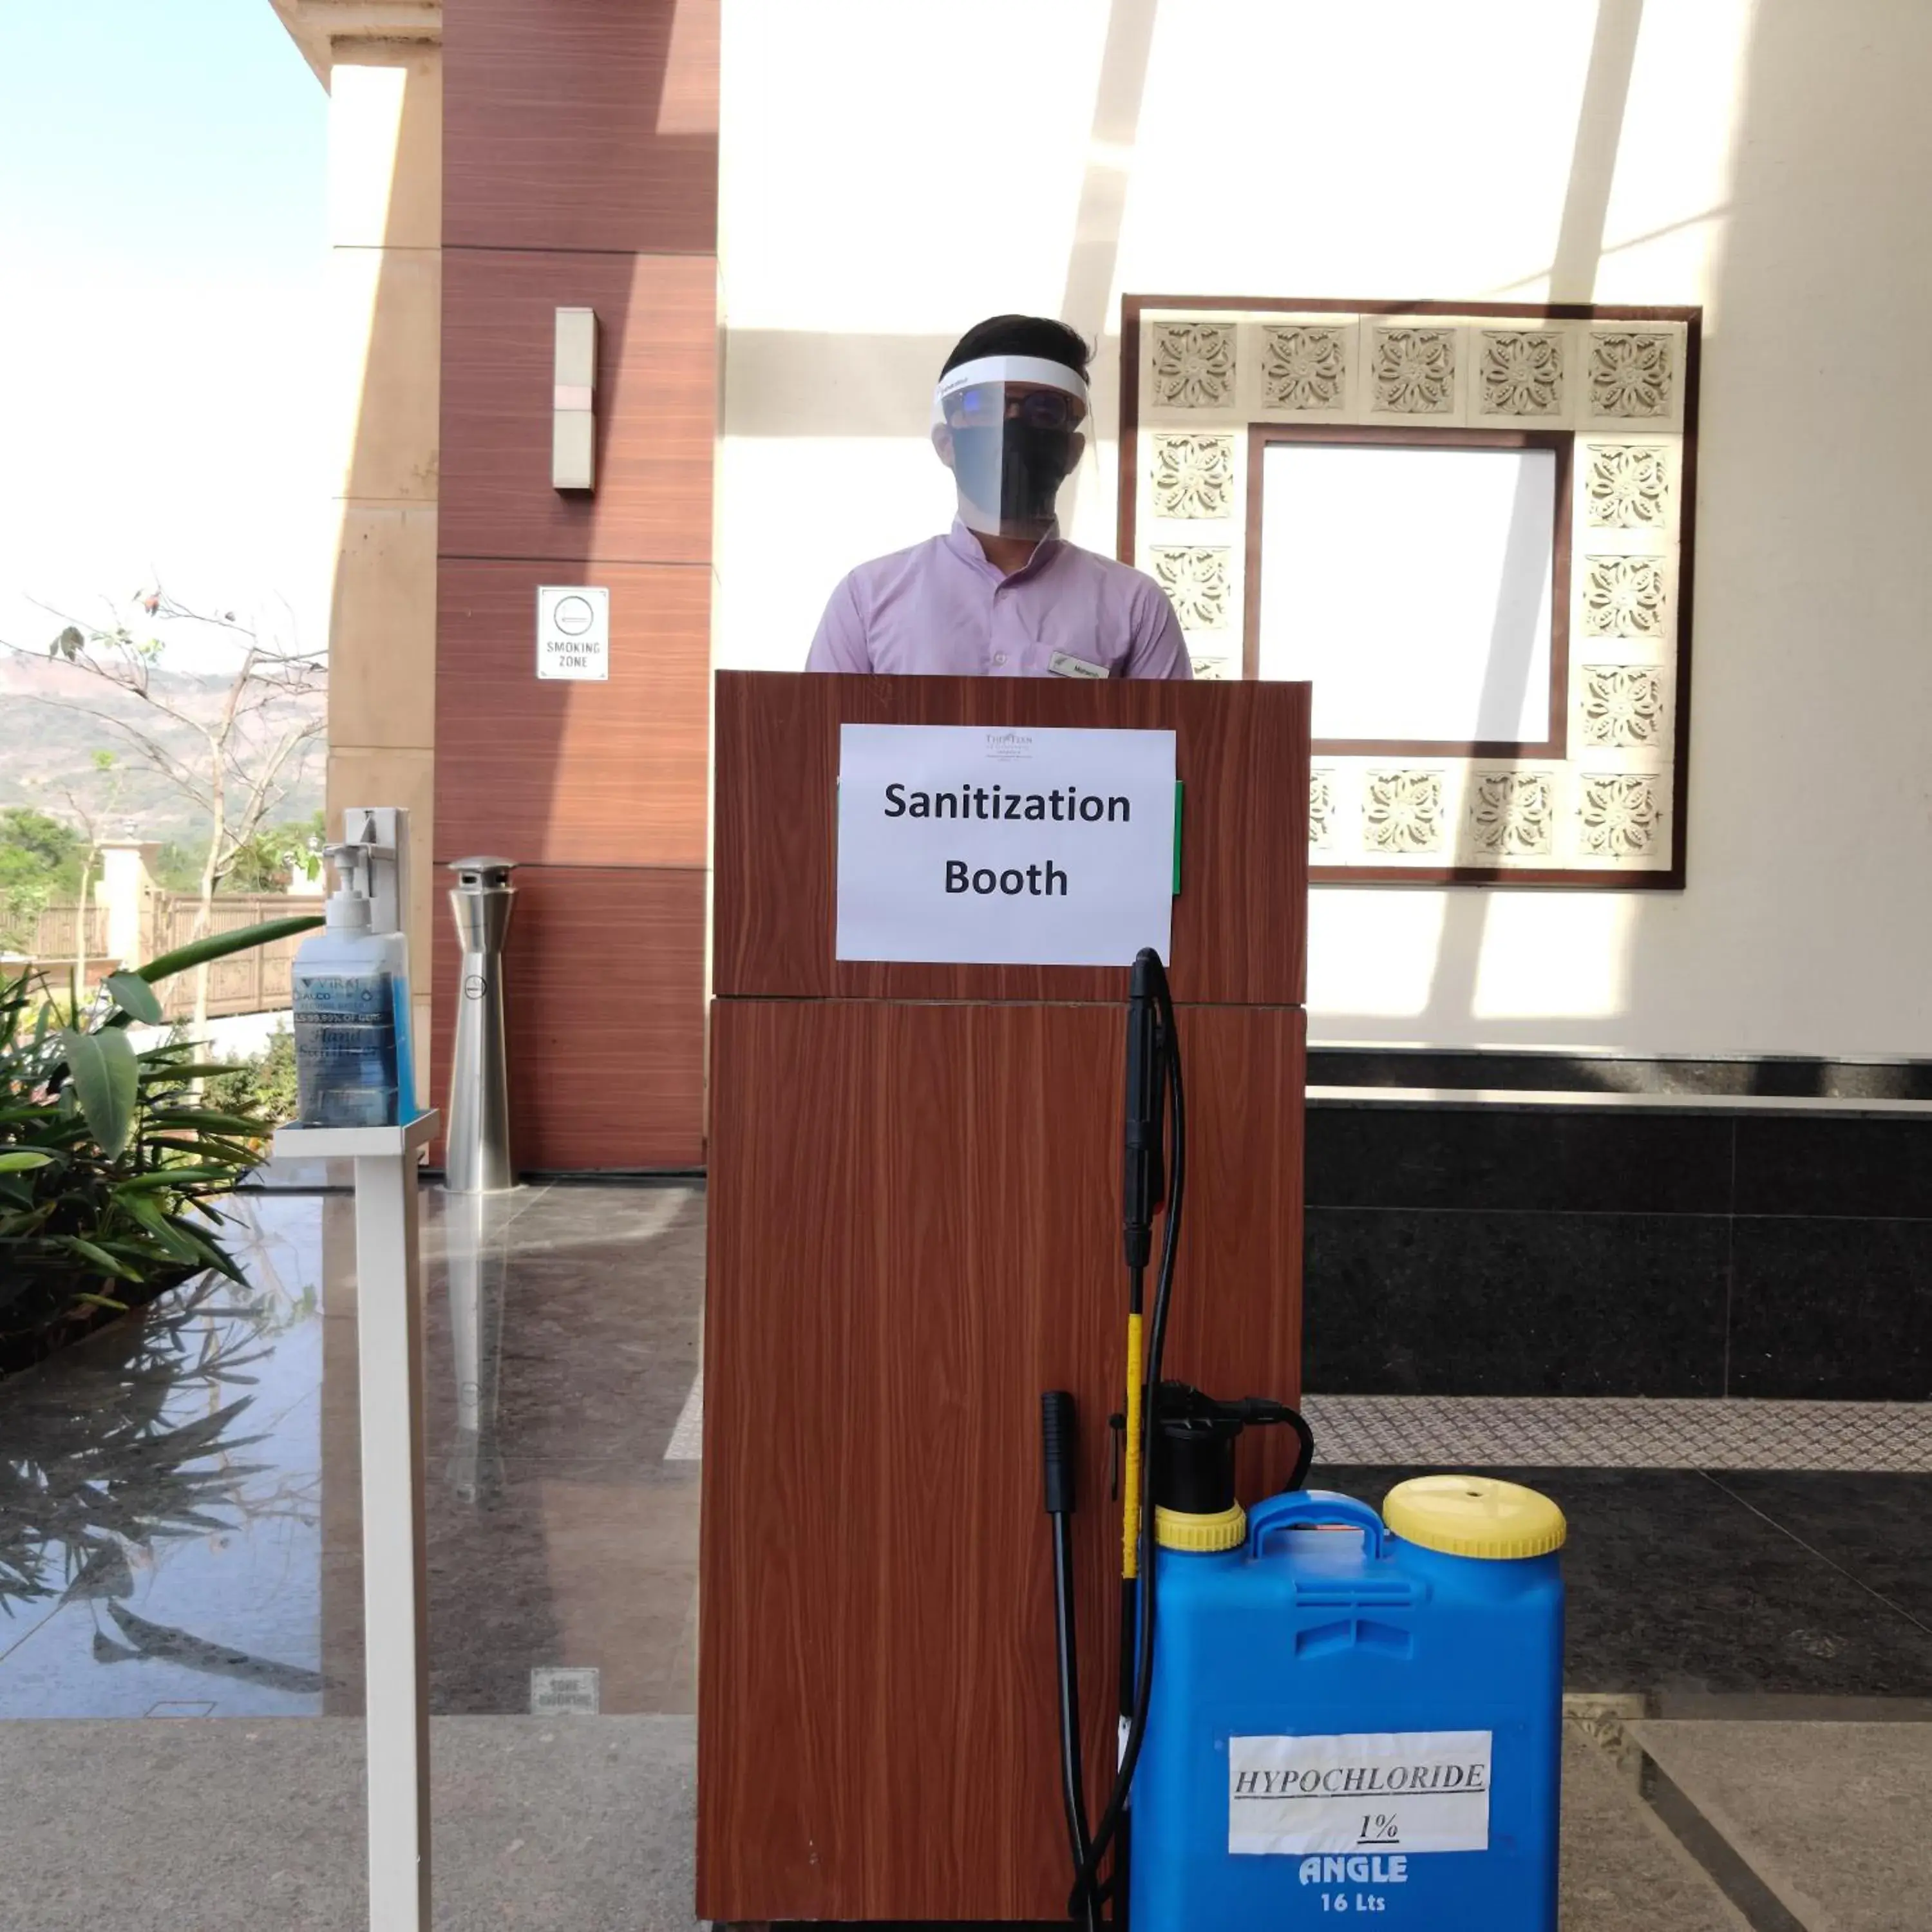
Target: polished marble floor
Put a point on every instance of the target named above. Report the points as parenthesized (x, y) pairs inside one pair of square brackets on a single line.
[(179, 1515), (179, 1532)]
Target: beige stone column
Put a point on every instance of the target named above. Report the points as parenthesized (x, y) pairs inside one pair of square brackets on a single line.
[(383, 66), (125, 885), (382, 62)]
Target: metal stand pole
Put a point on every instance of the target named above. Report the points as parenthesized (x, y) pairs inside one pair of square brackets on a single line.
[(395, 1597)]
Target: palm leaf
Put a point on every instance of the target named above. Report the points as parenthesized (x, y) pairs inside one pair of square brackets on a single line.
[(104, 1082), (134, 995), (220, 945)]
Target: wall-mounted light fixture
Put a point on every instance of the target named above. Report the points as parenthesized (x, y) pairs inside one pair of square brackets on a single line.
[(573, 438)]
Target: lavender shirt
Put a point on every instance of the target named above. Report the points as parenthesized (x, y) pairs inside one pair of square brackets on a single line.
[(940, 610)]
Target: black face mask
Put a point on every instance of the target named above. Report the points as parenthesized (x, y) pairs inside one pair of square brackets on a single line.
[(1031, 465)]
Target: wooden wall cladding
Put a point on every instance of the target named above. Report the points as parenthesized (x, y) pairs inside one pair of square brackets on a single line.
[(919, 1237), (581, 123), (604, 979), (565, 773), (656, 406), (1241, 751)]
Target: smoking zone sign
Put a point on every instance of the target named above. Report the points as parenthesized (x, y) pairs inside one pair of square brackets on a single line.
[(573, 632)]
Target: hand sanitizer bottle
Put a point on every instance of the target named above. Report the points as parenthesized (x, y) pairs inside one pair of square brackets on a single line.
[(351, 1000)]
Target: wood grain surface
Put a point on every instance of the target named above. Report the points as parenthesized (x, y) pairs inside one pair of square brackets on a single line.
[(604, 976), (581, 125), (913, 1231), (1241, 751), (656, 406), (560, 772)]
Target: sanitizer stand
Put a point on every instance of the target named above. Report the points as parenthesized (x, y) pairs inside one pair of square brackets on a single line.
[(395, 1606)]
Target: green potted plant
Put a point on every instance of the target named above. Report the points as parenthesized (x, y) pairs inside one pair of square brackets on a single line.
[(111, 1160)]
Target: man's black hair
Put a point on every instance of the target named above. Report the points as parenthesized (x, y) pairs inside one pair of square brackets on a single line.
[(1021, 335)]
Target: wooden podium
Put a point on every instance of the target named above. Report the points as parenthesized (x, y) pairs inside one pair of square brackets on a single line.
[(914, 1229)]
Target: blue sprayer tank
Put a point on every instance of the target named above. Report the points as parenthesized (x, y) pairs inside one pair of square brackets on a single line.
[(1350, 1715)]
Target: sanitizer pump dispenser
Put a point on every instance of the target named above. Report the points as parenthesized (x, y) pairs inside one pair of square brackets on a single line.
[(353, 1064)]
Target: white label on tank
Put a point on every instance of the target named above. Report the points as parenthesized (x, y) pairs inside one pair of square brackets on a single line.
[(1370, 1792)]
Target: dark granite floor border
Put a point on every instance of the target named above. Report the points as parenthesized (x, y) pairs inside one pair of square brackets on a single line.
[(1788, 1077)]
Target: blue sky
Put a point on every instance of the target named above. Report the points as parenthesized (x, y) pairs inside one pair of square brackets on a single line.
[(163, 392)]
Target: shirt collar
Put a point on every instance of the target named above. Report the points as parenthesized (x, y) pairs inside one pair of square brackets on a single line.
[(964, 545)]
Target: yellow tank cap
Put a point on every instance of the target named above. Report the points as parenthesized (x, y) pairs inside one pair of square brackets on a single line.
[(1179, 1529), (1474, 1516)]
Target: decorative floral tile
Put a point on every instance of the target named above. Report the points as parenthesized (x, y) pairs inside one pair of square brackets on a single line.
[(1632, 372), (1193, 476), (1512, 812), (1413, 372), (1305, 367), (1194, 365), (1617, 814), (1196, 580), (1623, 705), (1321, 808), (1626, 485), (1521, 372), (1401, 811), (1623, 597)]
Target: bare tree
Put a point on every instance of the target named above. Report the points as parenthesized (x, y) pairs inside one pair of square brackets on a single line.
[(249, 750)]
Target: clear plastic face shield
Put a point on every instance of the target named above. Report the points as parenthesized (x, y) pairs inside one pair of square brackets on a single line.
[(1010, 428)]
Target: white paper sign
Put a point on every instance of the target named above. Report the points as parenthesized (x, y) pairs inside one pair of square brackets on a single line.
[(1389, 1791), (573, 632), (984, 845), (564, 1691)]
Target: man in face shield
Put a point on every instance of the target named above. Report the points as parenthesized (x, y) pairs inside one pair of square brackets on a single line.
[(1002, 594)]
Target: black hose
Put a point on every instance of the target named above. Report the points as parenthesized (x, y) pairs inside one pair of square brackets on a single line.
[(1071, 1776), (1058, 1461), (1304, 1453), (1087, 1869)]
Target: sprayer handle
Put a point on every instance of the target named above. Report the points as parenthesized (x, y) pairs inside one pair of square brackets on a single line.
[(1056, 1444), (1312, 1509)]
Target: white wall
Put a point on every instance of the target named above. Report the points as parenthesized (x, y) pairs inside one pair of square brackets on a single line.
[(894, 171)]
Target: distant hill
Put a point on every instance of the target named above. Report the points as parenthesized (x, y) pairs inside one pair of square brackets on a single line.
[(42, 742)]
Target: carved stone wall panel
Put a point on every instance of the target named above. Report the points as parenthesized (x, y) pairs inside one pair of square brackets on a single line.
[(1626, 485), (1623, 596), (1633, 375), (1619, 383), (1522, 377), (1510, 813), (1401, 811), (1412, 370), (1307, 367), (1619, 814), (1322, 802), (1193, 476), (1621, 705), (1193, 366), (1196, 579)]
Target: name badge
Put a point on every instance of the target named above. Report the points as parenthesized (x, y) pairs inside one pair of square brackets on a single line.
[(1061, 665)]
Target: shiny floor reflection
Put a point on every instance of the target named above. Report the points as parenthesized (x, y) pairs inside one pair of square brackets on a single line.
[(179, 1495), (180, 1515), (161, 1502)]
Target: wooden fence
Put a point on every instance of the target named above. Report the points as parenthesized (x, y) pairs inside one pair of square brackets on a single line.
[(55, 935), (253, 981)]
